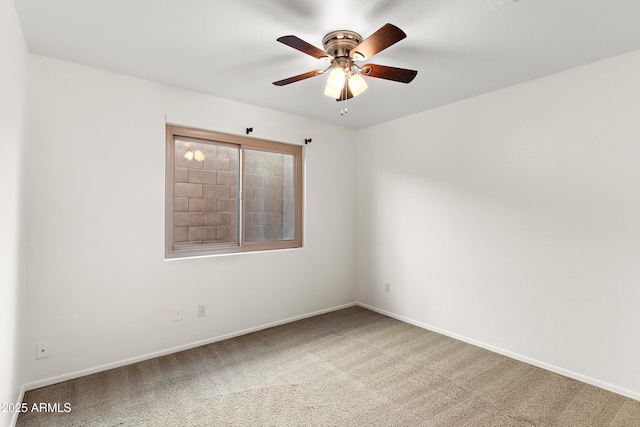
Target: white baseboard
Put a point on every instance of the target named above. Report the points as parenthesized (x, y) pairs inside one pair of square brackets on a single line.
[(570, 374), (106, 367), (14, 418)]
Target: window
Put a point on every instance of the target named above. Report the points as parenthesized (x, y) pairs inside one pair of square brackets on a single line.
[(227, 193)]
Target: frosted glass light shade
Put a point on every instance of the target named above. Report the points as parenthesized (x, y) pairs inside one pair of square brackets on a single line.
[(335, 83), (188, 155), (357, 84)]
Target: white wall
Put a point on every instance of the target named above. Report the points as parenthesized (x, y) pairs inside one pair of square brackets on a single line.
[(13, 79), (509, 220), (513, 220), (96, 283)]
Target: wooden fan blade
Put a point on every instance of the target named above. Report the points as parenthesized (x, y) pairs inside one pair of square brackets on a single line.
[(345, 93), (298, 78), (303, 46), (383, 38), (401, 75)]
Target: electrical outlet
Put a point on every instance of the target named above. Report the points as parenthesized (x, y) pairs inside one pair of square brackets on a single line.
[(202, 310), (177, 314), (42, 350), (387, 287)]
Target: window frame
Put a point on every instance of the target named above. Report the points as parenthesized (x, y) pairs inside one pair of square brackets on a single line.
[(243, 143)]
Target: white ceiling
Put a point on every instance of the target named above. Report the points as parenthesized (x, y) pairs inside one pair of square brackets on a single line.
[(228, 48)]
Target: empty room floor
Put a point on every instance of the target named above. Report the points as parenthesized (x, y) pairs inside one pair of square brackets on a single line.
[(348, 367)]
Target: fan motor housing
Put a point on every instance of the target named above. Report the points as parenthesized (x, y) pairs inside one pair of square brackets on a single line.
[(339, 43)]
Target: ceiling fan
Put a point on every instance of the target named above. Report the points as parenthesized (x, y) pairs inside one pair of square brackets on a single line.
[(343, 49)]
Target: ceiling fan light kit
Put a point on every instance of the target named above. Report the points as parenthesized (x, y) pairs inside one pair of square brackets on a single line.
[(357, 84), (335, 83), (342, 49)]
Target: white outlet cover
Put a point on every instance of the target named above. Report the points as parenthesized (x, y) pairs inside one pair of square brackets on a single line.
[(42, 350), (177, 314), (202, 310)]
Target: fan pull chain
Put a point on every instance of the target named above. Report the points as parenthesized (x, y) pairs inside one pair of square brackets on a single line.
[(346, 98)]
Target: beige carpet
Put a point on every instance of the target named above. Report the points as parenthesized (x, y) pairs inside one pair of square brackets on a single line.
[(352, 367)]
